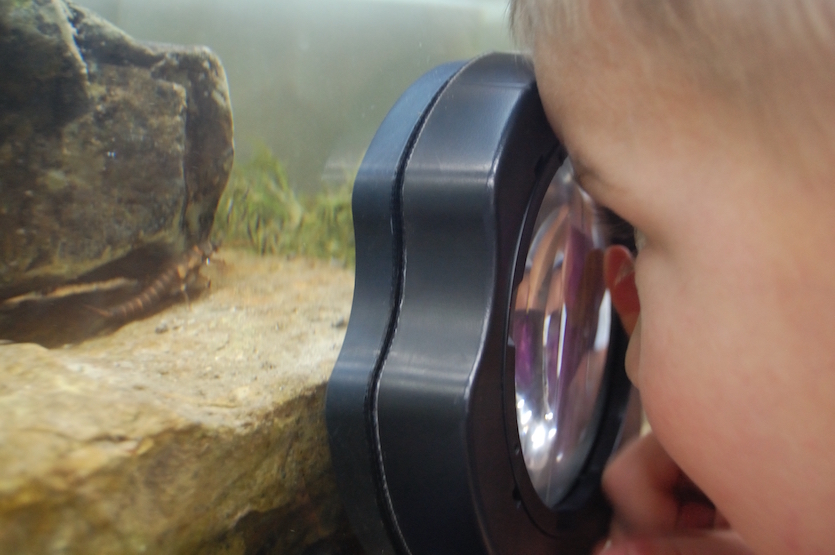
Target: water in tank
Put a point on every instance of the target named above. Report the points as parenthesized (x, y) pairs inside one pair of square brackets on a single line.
[(176, 232)]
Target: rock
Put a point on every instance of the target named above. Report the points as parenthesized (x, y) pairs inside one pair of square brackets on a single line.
[(110, 149), (208, 438)]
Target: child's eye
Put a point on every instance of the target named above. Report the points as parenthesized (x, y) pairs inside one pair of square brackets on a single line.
[(617, 230)]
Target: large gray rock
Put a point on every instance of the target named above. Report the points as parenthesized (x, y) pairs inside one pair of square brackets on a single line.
[(108, 147)]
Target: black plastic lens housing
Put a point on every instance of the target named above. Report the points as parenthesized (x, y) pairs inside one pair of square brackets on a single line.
[(421, 406)]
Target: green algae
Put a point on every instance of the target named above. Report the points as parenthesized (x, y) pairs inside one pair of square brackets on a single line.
[(259, 211)]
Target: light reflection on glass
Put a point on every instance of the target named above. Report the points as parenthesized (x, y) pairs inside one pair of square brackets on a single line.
[(560, 328)]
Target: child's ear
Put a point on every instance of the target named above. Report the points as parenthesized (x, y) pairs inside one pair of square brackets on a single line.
[(619, 275)]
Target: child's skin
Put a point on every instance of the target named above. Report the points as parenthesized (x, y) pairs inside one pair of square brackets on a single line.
[(731, 311)]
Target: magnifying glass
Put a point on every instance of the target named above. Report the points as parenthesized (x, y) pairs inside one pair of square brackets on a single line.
[(480, 389)]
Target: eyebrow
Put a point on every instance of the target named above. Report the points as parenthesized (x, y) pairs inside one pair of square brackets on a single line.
[(581, 168), (590, 180), (615, 228)]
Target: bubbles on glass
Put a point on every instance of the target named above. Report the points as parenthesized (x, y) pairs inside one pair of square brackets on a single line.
[(560, 328)]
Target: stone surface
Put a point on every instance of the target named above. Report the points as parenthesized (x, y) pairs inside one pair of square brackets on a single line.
[(109, 148), (199, 429)]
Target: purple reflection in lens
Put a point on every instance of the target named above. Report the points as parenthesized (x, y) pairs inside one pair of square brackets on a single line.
[(526, 327), (560, 327)]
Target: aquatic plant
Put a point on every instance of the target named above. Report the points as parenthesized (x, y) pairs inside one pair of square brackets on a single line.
[(260, 211)]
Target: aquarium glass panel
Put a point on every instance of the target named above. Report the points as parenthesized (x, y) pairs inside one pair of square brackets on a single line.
[(177, 257), (127, 215)]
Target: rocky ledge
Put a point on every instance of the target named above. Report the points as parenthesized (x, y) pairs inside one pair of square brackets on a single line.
[(199, 429)]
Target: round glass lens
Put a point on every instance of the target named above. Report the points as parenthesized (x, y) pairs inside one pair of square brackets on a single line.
[(560, 328)]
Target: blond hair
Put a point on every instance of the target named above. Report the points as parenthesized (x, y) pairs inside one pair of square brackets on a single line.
[(775, 59)]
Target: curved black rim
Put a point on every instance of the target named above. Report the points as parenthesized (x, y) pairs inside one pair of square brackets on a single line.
[(421, 430)]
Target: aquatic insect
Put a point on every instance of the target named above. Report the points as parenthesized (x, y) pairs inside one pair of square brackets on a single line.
[(175, 277)]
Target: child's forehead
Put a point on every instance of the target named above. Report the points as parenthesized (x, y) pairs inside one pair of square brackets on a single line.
[(617, 123), (590, 88), (592, 99), (736, 72)]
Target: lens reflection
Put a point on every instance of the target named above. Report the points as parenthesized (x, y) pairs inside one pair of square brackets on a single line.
[(560, 327)]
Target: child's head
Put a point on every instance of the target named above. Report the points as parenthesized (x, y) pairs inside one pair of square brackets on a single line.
[(710, 127), (769, 62)]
